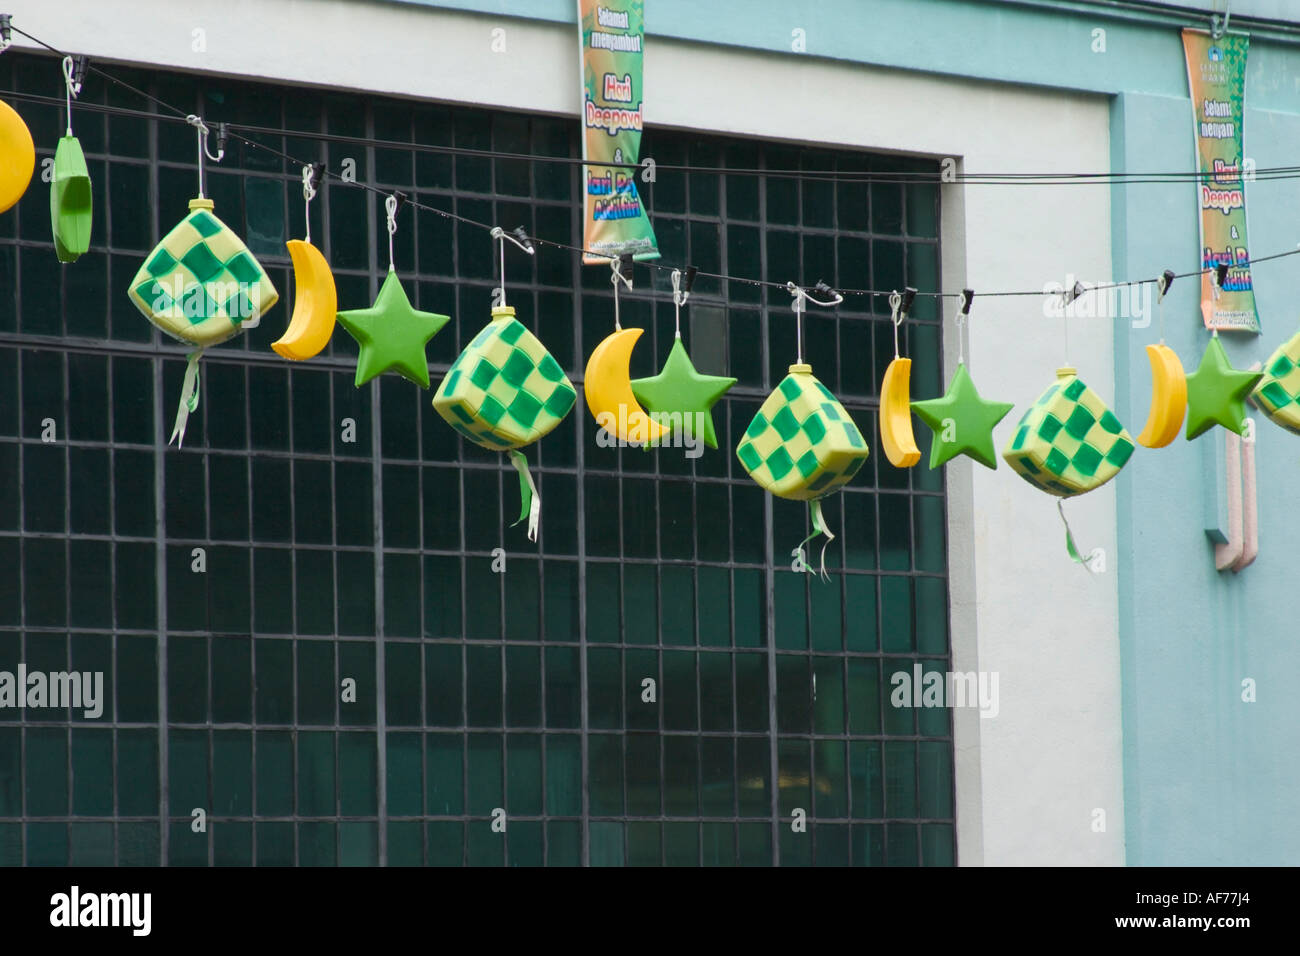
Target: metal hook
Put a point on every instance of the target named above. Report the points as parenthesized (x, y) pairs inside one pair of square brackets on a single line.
[(520, 238), (801, 297), (201, 131), (6, 36), (391, 204), (621, 266), (1219, 27), (963, 316)]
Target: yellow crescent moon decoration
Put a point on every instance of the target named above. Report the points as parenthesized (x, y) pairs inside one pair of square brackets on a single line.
[(315, 304), (17, 157), (1168, 397), (896, 415), (608, 387)]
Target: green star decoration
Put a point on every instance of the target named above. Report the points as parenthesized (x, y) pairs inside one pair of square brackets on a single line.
[(392, 335), (1216, 393), (679, 388), (962, 422)]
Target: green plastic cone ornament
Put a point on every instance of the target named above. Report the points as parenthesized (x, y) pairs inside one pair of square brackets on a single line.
[(71, 206)]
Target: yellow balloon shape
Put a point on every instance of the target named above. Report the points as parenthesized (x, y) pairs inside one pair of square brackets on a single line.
[(896, 415), (17, 157), (608, 387), (315, 304)]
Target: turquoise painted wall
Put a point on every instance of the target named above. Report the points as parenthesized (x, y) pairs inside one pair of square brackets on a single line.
[(1209, 779)]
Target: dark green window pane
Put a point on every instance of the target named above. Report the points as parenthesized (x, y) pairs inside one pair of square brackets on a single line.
[(45, 495), (275, 790), (443, 681), (938, 844), (643, 778), (678, 691), (718, 844), (932, 716), (602, 603), (715, 692), (640, 604), (563, 843), (314, 583), (405, 843), (311, 481), (90, 595), (826, 623), (753, 776), (755, 844), (229, 586), (794, 766), (138, 844), (864, 696), (274, 844), (828, 695), (717, 792), (522, 600), (524, 843), (317, 688), (137, 679), (232, 679), (270, 517), (442, 596), (751, 692), (896, 616), (523, 686), (401, 595), (561, 613), (677, 590), (901, 842), (935, 772), (831, 844), (353, 504), (187, 770), (607, 844), (187, 679), (714, 598), (401, 506), (317, 844), (402, 696), (92, 844), (358, 774), (483, 685), (793, 694), (791, 609), (750, 609), (605, 687), (446, 843), (47, 844), (796, 847), (644, 841), (830, 782), (444, 774), (524, 760), (232, 843), (931, 615), (232, 773), (482, 600), (605, 761), (316, 774), (900, 779), (860, 616), (137, 772), (272, 598), (92, 774), (486, 780), (356, 593), (405, 786), (563, 775)]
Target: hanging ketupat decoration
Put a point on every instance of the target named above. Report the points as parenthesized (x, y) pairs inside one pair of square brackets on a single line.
[(1278, 393), (201, 286), (505, 390), (802, 444), (1068, 442)]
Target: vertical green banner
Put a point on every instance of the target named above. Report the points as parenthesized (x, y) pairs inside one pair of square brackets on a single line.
[(615, 222), (1216, 75)]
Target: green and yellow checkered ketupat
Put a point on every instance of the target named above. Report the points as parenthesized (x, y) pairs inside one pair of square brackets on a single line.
[(1278, 393), (505, 390), (802, 444), (201, 282), (1068, 442)]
